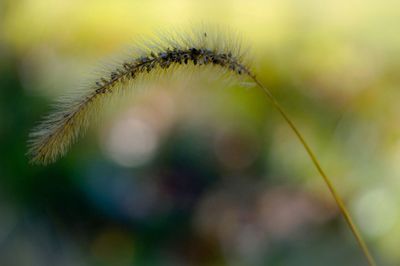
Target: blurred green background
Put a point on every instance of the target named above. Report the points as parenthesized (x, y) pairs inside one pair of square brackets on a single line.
[(204, 173)]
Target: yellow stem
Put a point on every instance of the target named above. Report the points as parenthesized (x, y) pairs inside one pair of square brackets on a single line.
[(327, 180)]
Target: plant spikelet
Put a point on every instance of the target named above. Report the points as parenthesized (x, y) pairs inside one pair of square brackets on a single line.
[(52, 138)]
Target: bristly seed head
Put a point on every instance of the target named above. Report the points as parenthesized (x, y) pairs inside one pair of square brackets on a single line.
[(52, 138)]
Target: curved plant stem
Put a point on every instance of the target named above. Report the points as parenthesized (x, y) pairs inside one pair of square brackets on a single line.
[(327, 180)]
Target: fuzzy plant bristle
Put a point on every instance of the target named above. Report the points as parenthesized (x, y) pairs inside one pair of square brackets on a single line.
[(52, 138)]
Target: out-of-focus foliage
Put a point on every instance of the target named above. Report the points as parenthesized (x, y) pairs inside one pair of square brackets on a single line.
[(201, 173)]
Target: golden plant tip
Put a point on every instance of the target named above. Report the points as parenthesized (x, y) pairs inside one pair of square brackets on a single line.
[(52, 138)]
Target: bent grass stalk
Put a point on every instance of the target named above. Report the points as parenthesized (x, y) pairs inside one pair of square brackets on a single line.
[(326, 179), (52, 138)]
